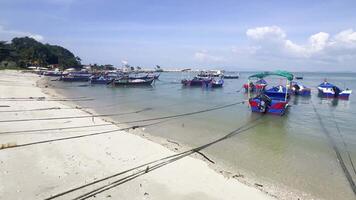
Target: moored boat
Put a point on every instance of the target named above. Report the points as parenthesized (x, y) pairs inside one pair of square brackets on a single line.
[(231, 76), (203, 82), (76, 77), (216, 83), (132, 82), (100, 80), (210, 73), (196, 81), (145, 76), (328, 90), (54, 73), (274, 100), (300, 89)]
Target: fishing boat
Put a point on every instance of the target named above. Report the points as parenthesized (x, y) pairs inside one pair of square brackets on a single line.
[(100, 79), (203, 82), (196, 81), (210, 73), (145, 76), (256, 86), (76, 77), (232, 76), (300, 89), (152, 75), (274, 100), (132, 82), (216, 83), (53, 73), (328, 90)]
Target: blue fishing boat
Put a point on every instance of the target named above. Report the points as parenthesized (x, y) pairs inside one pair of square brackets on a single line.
[(196, 81), (100, 79), (76, 77), (274, 100), (203, 82), (132, 82), (143, 76), (300, 89), (232, 76), (54, 73), (216, 83), (328, 90)]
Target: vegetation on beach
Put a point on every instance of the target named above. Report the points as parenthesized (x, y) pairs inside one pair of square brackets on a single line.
[(25, 51)]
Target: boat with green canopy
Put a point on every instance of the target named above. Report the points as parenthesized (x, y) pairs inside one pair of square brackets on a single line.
[(273, 100)]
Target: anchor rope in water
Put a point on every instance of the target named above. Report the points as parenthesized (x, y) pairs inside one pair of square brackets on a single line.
[(344, 143), (162, 162), (337, 152)]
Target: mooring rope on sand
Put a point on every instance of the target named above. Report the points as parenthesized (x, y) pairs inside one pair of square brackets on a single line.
[(126, 122), (134, 121), (12, 146), (72, 117), (147, 168)]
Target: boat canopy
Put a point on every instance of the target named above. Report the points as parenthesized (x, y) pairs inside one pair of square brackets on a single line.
[(285, 74), (326, 85)]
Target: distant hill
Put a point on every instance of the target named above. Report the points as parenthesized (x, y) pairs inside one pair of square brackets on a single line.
[(25, 51)]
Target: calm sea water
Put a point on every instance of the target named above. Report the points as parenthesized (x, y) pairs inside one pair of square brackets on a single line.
[(289, 153)]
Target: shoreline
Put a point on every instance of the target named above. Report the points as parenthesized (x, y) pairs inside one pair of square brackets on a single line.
[(177, 147), (173, 180)]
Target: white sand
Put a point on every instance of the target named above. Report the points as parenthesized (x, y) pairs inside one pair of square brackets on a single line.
[(39, 171)]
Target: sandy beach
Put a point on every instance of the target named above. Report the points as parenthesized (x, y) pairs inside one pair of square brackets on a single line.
[(38, 171)]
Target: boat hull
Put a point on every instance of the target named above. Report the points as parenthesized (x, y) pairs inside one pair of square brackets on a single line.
[(208, 83), (329, 93), (129, 82), (97, 81), (304, 92), (276, 107), (52, 75), (75, 79), (231, 77)]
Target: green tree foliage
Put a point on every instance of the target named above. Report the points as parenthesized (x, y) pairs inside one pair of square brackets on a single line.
[(27, 51)]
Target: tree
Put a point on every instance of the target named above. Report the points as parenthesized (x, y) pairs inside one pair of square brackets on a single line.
[(27, 51)]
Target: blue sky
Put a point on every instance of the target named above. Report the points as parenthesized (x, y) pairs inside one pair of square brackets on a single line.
[(240, 35)]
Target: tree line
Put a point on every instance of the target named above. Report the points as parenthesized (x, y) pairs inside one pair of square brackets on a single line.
[(26, 51)]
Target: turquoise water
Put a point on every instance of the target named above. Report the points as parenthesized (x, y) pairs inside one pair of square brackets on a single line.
[(289, 155)]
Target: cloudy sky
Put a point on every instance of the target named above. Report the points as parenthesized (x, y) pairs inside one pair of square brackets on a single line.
[(295, 35)]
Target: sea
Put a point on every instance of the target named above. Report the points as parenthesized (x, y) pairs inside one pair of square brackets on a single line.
[(290, 156)]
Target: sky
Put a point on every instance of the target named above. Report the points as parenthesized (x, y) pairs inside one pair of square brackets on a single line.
[(310, 35)]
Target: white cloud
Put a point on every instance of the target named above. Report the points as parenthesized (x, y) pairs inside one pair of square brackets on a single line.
[(204, 56), (273, 41), (6, 34), (266, 32), (347, 36)]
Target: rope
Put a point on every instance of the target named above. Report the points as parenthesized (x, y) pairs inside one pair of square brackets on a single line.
[(77, 136), (74, 117), (128, 122), (343, 141), (161, 162), (337, 152)]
